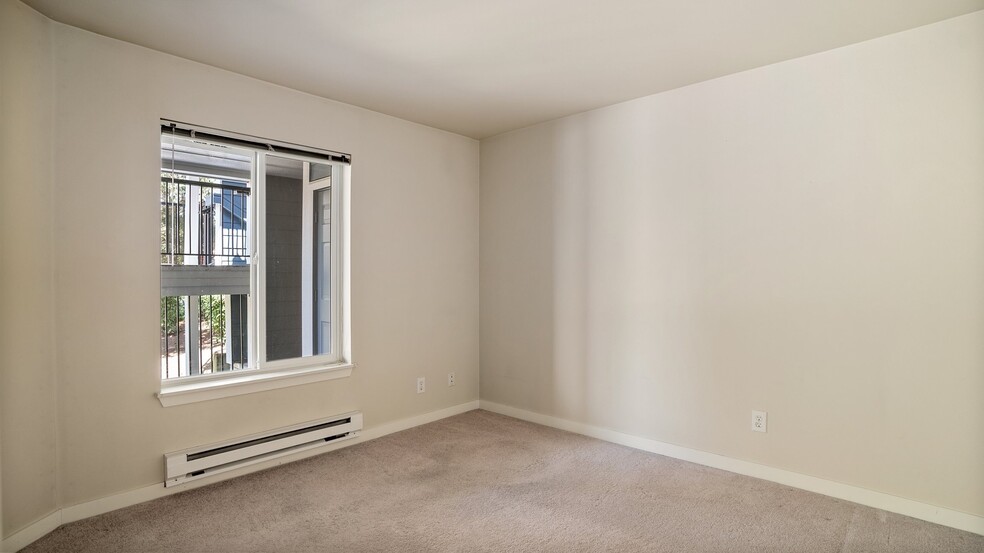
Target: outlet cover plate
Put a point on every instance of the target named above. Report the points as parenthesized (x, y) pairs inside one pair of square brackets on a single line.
[(760, 421)]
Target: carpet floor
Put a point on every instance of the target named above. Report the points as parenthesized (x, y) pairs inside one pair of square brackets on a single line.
[(485, 482)]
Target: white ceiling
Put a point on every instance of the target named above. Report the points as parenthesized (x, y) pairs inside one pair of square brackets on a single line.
[(480, 68)]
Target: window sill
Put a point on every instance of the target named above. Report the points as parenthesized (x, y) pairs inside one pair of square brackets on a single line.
[(248, 382)]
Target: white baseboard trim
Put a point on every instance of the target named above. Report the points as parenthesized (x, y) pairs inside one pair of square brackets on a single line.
[(33, 532), (39, 529), (870, 498), (411, 422)]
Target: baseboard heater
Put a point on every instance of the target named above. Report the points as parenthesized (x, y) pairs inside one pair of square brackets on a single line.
[(198, 462)]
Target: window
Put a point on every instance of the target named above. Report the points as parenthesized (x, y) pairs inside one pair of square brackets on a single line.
[(253, 271)]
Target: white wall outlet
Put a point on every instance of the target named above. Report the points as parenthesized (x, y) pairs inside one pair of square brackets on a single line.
[(450, 379), (420, 385), (760, 420)]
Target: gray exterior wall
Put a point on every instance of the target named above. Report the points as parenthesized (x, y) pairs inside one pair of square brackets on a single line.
[(283, 270)]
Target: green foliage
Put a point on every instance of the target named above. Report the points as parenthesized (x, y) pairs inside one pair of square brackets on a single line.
[(212, 309), (172, 311)]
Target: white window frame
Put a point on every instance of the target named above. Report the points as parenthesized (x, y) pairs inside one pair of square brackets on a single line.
[(269, 375)]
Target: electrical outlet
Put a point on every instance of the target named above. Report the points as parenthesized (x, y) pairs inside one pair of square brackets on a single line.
[(760, 420), (450, 379), (420, 385)]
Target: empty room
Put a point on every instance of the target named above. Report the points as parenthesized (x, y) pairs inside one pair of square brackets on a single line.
[(526, 275)]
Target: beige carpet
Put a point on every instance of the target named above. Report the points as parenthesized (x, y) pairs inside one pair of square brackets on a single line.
[(485, 482)]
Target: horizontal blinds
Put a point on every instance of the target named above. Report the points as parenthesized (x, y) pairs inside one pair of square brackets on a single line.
[(234, 139)]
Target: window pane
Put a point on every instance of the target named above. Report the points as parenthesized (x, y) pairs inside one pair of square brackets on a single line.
[(205, 214), (298, 234)]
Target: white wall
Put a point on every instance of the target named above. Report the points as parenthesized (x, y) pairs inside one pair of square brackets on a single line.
[(27, 318), (414, 266), (805, 238)]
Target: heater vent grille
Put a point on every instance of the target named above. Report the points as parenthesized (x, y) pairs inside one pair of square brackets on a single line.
[(185, 465), (267, 439)]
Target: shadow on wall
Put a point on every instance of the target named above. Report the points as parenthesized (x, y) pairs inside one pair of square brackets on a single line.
[(618, 279)]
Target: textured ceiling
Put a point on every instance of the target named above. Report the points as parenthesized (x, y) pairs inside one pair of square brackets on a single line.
[(480, 68)]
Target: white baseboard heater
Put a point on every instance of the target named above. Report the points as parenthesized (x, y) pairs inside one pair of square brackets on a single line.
[(198, 462)]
